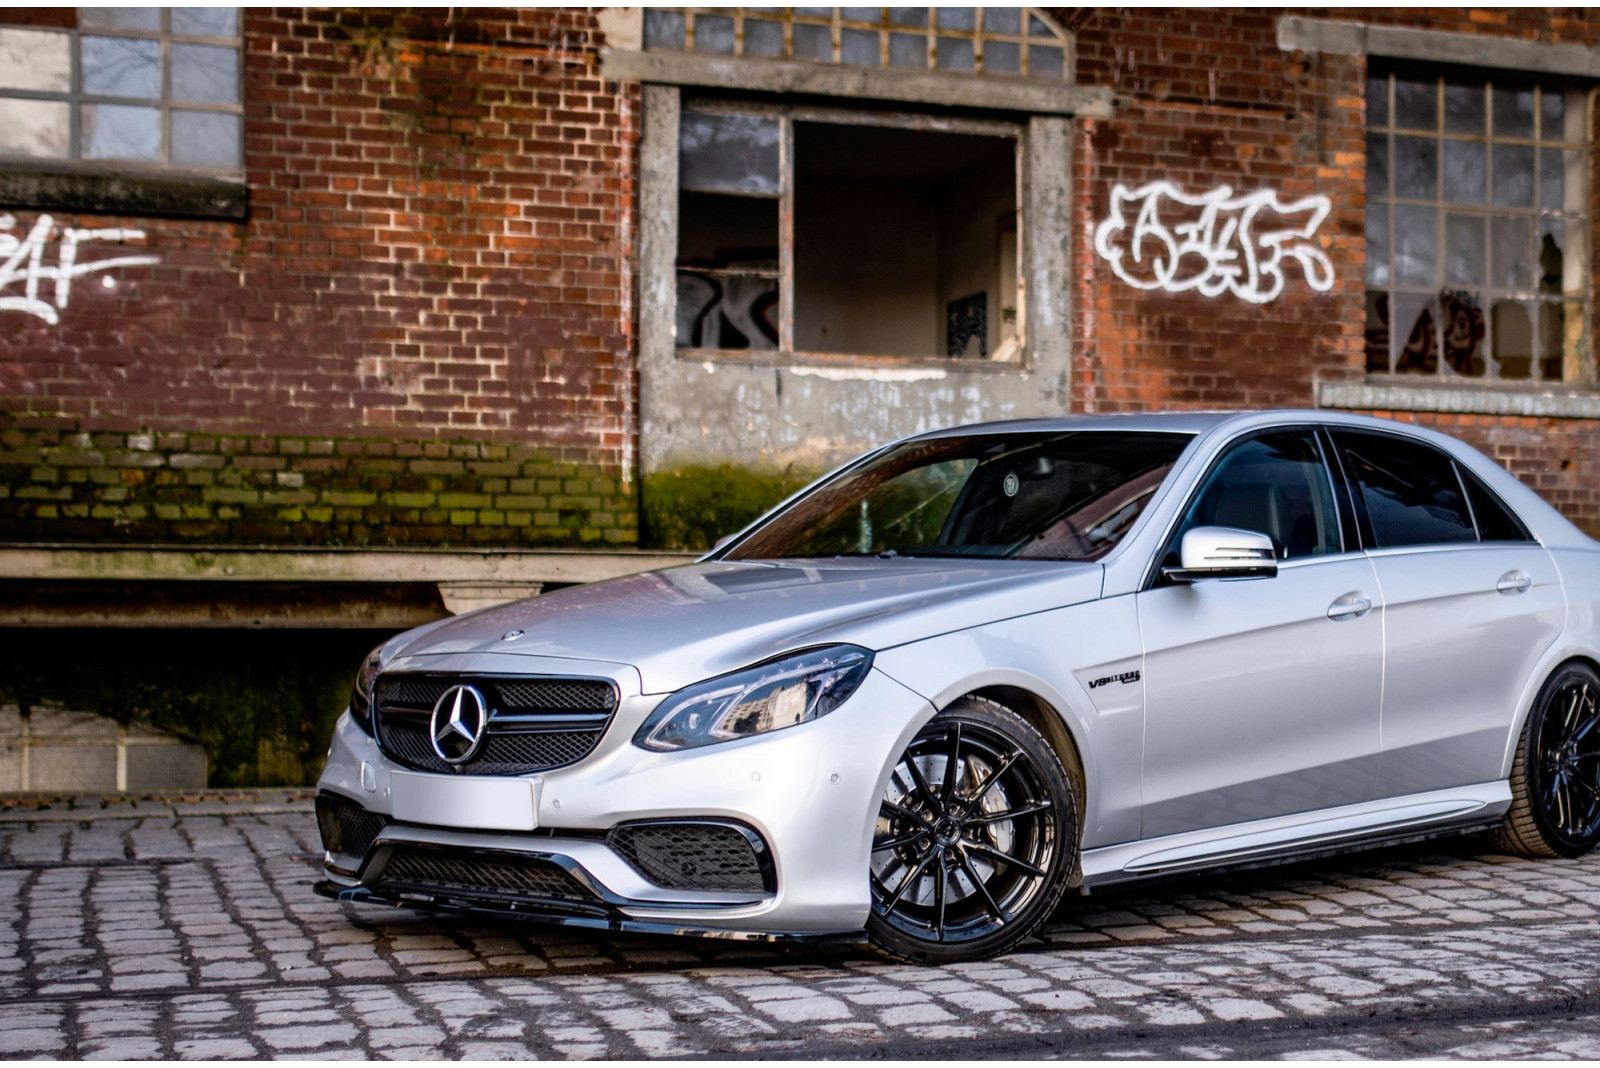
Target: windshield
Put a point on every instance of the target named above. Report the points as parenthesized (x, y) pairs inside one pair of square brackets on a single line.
[(1040, 496)]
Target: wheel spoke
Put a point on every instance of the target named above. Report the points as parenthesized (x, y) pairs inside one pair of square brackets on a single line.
[(900, 812), (1006, 858), (952, 764), (920, 781), (905, 884), (1010, 813), (940, 876), (1572, 708), (1588, 725), (972, 874), (988, 784), (879, 845)]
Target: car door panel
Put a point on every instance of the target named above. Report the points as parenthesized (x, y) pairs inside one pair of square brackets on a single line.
[(1259, 702), (1460, 652)]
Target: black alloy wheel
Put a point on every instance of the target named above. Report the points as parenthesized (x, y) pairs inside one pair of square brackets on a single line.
[(975, 840), (1555, 782)]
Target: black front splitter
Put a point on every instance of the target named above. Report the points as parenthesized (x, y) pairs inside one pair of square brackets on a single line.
[(567, 914)]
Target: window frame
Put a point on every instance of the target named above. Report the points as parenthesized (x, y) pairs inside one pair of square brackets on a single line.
[(1363, 519), (787, 115), (1577, 368), (76, 98)]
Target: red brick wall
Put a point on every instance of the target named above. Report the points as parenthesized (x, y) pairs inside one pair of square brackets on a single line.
[(436, 257), (1206, 98)]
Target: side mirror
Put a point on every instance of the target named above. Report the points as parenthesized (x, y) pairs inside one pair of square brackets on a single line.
[(1224, 552)]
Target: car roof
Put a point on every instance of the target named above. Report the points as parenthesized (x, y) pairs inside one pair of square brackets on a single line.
[(1182, 422)]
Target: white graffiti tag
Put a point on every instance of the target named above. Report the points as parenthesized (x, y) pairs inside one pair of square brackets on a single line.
[(22, 259), (1212, 242)]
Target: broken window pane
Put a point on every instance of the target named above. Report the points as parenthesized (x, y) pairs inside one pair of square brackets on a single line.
[(1377, 244), (901, 242), (1377, 331), (1560, 264), (1513, 339), (728, 153), (727, 272), (1413, 333), (1462, 332)]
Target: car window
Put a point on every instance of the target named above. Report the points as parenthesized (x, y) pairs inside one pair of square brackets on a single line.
[(1037, 495), (1275, 484), (1410, 491), (1496, 522)]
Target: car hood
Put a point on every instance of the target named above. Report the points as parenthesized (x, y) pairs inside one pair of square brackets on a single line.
[(685, 624)]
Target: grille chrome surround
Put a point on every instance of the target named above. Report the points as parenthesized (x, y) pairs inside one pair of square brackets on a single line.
[(347, 829), (696, 855), (498, 876), (535, 723)]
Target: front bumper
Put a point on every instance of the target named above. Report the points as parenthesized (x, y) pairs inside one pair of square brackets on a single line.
[(809, 792)]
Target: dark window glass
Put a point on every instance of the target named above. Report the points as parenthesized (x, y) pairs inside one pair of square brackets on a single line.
[(1276, 485), (1496, 522), (1041, 496), (1410, 491)]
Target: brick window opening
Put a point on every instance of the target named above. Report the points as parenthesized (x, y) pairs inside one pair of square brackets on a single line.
[(126, 88), (1008, 42), (1477, 228), (816, 233)]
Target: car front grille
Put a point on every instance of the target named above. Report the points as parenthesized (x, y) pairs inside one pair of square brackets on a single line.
[(683, 855), (498, 876), (346, 827), (534, 723)]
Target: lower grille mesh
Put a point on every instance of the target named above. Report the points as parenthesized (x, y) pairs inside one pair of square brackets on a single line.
[(481, 875), (692, 856), (502, 754), (346, 827)]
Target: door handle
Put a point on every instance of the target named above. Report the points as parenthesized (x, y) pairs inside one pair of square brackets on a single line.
[(1350, 606), (1513, 582)]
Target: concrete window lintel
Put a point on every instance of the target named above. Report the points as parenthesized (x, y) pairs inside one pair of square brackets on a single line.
[(911, 87), (1381, 394), (1435, 46)]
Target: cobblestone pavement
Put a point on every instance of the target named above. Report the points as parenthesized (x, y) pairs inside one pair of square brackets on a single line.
[(189, 929)]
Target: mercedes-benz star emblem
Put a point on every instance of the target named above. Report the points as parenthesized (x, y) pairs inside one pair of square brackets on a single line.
[(458, 723)]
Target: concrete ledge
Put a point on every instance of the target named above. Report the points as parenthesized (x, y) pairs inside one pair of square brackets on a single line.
[(124, 194), (1296, 34), (1459, 398), (47, 807), (272, 564), (916, 87)]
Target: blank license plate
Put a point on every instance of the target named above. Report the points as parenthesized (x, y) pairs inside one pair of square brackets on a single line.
[(479, 804)]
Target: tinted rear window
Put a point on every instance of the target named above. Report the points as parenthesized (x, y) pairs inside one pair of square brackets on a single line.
[(1410, 490)]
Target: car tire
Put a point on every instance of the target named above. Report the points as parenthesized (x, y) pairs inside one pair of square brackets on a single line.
[(951, 882), (1555, 780)]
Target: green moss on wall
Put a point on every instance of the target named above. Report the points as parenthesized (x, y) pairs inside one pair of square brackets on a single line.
[(691, 507)]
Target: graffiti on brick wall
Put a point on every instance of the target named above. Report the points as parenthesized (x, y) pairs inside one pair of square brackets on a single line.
[(34, 282), (1214, 242)]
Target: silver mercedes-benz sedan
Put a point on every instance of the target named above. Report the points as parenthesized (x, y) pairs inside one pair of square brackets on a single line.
[(976, 668)]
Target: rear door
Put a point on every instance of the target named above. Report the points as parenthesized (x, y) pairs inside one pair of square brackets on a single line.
[(1471, 603)]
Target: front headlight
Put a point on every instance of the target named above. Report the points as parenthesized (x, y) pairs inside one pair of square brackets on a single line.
[(768, 697), (361, 693)]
